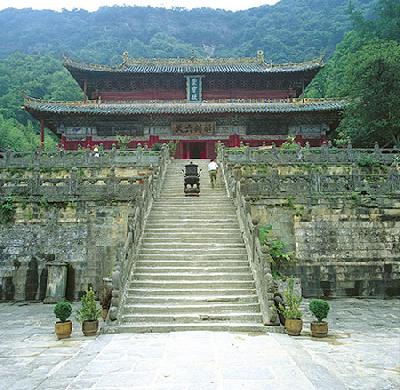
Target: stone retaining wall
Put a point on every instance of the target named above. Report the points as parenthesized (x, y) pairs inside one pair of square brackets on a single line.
[(73, 208), (341, 218)]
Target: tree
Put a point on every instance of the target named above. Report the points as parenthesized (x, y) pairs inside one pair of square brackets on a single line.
[(373, 87)]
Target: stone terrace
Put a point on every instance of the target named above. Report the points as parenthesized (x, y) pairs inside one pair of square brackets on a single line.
[(362, 352)]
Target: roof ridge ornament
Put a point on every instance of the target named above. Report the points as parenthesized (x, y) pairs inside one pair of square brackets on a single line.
[(260, 56), (125, 58)]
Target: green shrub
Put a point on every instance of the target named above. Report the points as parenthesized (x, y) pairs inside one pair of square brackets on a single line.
[(277, 249), (319, 308), (7, 210), (292, 309), (63, 310), (88, 310), (172, 146), (156, 147)]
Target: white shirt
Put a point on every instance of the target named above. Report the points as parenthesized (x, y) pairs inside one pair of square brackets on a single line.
[(212, 166)]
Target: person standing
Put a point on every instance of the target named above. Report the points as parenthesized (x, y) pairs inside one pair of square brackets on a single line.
[(212, 171)]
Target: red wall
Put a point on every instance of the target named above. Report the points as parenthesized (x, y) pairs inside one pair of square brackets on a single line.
[(141, 95), (163, 94), (247, 94)]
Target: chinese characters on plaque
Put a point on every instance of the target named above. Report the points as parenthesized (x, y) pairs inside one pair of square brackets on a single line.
[(193, 128), (194, 88)]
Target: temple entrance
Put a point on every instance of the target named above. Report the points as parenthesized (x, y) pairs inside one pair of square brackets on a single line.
[(194, 150)]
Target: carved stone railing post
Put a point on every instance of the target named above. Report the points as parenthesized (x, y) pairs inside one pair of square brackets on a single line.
[(8, 157), (350, 153), (116, 291), (36, 182), (112, 183), (255, 235), (73, 181)]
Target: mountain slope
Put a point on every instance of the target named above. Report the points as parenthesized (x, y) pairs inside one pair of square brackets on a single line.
[(291, 30)]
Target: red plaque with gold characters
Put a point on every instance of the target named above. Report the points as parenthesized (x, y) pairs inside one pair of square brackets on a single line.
[(193, 128)]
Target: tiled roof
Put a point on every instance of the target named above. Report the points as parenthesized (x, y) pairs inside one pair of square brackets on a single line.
[(196, 65), (181, 107)]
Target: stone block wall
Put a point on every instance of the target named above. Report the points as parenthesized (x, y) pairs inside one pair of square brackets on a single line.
[(85, 235), (343, 246)]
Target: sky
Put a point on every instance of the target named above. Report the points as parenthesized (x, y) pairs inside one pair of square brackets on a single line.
[(93, 5)]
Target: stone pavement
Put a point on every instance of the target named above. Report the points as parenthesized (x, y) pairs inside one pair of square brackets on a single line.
[(363, 352)]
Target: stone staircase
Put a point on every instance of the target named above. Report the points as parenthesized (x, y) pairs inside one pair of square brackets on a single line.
[(192, 272)]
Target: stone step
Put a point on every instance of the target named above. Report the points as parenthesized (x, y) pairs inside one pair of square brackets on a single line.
[(195, 214), (140, 268), (193, 201), (149, 244), (179, 196), (188, 255), (193, 231), (185, 277), (199, 218), (211, 308), (188, 225), (193, 285), (184, 239), (198, 300), (149, 261), (191, 318), (250, 327), (188, 292)]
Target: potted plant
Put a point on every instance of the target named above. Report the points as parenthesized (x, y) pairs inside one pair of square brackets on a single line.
[(89, 314), (63, 328), (291, 310), (320, 309)]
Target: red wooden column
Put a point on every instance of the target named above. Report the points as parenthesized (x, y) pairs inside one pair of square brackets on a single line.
[(42, 126)]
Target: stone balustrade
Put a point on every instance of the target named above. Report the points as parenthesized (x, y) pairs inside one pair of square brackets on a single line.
[(320, 184), (260, 263), (81, 159), (307, 155), (129, 253)]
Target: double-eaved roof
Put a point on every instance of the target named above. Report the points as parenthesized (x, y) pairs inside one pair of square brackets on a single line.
[(195, 65), (43, 108)]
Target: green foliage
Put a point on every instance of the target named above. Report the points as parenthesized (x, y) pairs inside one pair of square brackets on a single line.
[(123, 141), (172, 145), (319, 308), (63, 310), (365, 69), (156, 147), (39, 76), (43, 203), (368, 161), (291, 30), (373, 85), (289, 144), (7, 210), (292, 309), (88, 310), (277, 249)]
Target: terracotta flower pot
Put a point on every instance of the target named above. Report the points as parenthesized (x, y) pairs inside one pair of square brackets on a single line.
[(293, 326), (63, 329), (319, 329), (89, 328)]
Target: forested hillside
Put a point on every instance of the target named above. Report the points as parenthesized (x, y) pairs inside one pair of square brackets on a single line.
[(291, 30), (365, 69), (33, 43)]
